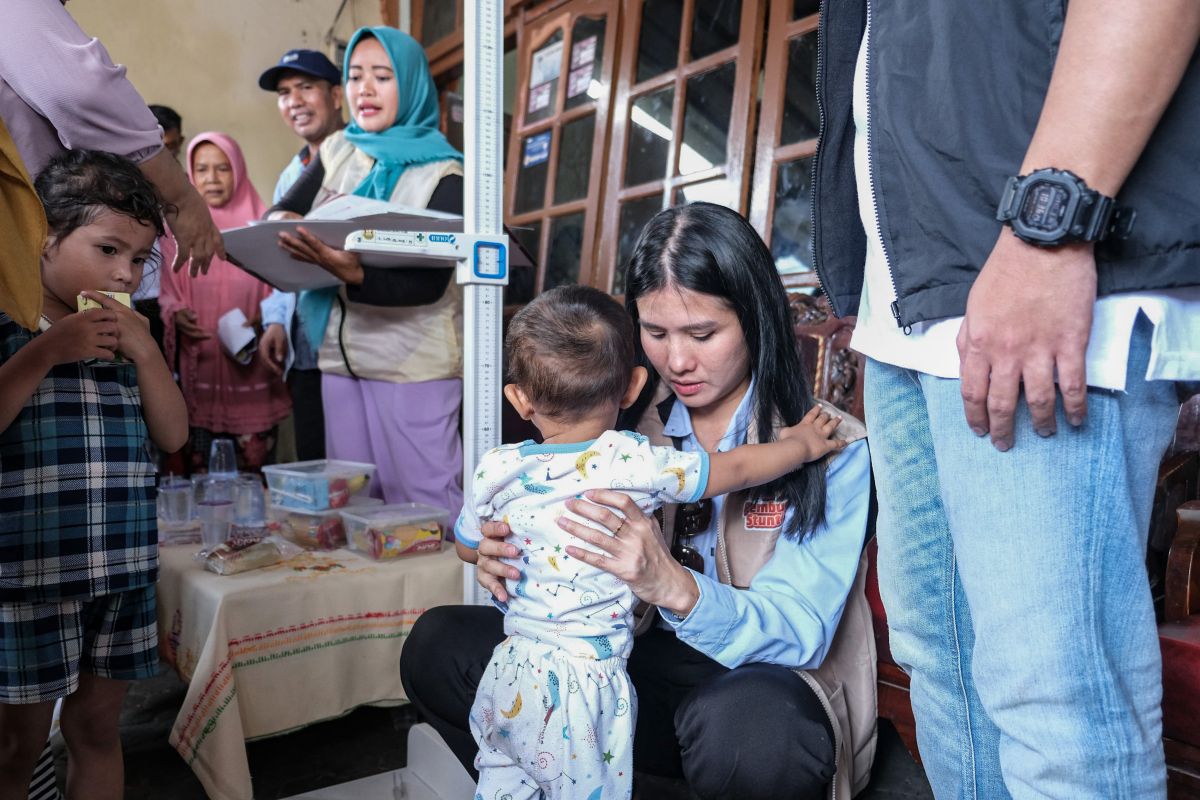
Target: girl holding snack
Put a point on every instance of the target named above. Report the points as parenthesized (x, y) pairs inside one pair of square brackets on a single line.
[(84, 397), (229, 394)]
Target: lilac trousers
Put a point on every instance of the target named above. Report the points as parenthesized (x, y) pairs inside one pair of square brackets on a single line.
[(409, 431)]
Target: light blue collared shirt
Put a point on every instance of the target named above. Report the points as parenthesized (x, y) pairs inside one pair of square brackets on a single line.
[(280, 307), (790, 612)]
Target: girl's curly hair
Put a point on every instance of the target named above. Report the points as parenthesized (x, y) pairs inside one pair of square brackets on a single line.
[(75, 186)]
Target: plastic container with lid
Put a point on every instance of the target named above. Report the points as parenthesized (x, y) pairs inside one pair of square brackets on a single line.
[(315, 530), (392, 531), (317, 485)]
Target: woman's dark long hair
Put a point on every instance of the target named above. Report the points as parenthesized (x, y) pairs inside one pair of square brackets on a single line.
[(711, 250)]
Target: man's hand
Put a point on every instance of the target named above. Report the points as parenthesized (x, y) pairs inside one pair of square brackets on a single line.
[(273, 348), (187, 214), (195, 234), (1029, 317), (185, 323)]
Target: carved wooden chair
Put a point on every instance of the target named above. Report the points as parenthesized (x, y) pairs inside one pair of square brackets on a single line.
[(1179, 639), (1172, 559)]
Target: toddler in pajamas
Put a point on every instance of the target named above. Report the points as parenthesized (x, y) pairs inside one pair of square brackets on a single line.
[(554, 714)]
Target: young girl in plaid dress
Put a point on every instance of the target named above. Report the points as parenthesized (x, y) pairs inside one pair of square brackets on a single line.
[(84, 397)]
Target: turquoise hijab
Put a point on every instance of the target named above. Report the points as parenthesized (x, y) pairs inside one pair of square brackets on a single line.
[(412, 139)]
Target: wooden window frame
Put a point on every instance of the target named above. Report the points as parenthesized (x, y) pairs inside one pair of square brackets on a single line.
[(745, 55), (448, 45), (770, 154), (531, 34)]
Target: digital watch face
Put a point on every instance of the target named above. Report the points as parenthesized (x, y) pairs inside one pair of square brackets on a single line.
[(1045, 207)]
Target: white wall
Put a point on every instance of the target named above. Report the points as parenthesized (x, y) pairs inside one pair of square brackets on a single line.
[(203, 58)]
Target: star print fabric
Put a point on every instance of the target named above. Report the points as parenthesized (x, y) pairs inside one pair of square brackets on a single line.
[(560, 600), (550, 725)]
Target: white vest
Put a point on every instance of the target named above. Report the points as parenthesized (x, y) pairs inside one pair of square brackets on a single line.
[(402, 344)]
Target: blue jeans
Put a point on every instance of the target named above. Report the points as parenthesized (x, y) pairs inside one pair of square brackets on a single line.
[(1016, 589)]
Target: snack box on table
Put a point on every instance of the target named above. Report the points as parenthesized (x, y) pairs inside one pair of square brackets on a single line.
[(317, 485), (315, 530), (386, 532)]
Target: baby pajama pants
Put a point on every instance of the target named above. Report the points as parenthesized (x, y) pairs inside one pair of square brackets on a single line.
[(552, 724)]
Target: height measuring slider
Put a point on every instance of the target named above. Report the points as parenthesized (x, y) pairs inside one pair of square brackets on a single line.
[(481, 259)]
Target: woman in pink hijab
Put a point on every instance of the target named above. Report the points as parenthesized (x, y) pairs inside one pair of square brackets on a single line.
[(243, 401)]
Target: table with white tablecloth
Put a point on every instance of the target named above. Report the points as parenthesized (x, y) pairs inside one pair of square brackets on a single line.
[(274, 649)]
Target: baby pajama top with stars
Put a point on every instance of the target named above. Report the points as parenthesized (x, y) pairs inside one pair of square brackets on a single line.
[(554, 713)]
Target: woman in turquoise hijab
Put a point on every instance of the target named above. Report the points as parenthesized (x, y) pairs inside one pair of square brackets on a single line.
[(390, 339)]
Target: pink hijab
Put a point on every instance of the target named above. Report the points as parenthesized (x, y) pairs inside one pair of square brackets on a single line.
[(221, 395), (245, 204)]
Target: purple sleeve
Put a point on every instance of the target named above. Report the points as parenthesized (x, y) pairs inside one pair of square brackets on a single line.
[(54, 70)]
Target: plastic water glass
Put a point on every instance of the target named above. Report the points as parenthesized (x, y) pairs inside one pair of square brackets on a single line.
[(222, 459), (249, 501), (215, 509), (175, 501)]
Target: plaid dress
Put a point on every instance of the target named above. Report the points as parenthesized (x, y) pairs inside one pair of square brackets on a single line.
[(77, 496)]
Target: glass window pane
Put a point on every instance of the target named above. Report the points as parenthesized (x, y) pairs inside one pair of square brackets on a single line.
[(719, 191), (791, 228), (650, 137), (574, 159), (545, 75), (634, 216), (658, 40), (438, 19), (531, 177), (715, 26), (522, 280), (706, 119), (802, 8), (587, 56), (565, 251), (800, 119)]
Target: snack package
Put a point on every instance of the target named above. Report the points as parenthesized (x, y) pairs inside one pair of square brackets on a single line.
[(391, 531), (84, 303), (402, 540), (312, 531), (241, 555)]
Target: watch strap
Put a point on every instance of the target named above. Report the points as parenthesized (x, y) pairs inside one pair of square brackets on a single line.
[(1097, 216)]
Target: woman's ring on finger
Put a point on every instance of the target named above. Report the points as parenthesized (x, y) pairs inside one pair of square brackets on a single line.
[(619, 527)]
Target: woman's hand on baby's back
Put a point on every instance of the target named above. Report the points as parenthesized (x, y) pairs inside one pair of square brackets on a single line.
[(814, 434), (490, 572)]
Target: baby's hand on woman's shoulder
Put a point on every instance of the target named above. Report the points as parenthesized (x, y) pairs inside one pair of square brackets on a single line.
[(814, 434)]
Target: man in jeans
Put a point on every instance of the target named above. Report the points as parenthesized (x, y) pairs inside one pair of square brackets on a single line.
[(1016, 420)]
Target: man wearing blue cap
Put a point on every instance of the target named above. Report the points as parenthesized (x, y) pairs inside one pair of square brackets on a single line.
[(309, 88)]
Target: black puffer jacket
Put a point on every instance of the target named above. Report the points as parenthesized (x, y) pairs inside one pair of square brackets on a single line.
[(955, 90)]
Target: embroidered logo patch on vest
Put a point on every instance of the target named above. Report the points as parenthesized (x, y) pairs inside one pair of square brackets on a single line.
[(763, 515)]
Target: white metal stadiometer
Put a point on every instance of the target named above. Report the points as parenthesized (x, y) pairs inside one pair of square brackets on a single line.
[(481, 251)]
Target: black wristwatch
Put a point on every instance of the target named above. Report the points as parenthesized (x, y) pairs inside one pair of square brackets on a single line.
[(1052, 207)]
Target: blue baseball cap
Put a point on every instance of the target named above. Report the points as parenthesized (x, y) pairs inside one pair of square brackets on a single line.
[(309, 62)]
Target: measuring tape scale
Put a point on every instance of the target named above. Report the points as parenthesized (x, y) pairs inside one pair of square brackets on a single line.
[(481, 251)]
